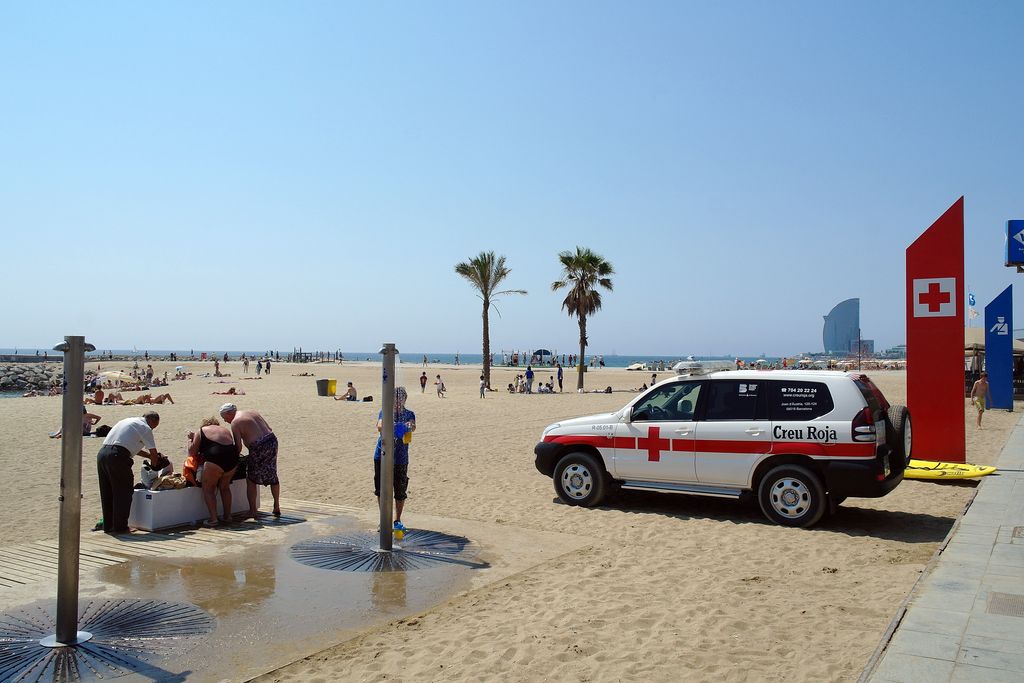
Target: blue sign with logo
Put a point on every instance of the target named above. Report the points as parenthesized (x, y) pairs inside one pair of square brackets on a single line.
[(1015, 243), (999, 349)]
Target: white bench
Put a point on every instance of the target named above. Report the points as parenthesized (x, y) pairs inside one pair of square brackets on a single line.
[(152, 510)]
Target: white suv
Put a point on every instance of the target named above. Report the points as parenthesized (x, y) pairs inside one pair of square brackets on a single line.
[(802, 441)]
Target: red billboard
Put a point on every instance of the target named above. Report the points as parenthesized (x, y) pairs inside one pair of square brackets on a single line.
[(935, 338)]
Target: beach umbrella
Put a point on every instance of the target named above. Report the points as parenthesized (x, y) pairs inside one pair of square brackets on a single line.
[(116, 375), (542, 352)]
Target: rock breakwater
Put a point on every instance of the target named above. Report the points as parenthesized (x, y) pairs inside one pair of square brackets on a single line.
[(26, 376)]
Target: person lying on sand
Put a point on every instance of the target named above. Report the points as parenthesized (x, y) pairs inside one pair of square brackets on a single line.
[(147, 399), (304, 374), (230, 392)]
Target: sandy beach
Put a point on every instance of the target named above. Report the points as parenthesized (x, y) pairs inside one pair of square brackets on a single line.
[(667, 587)]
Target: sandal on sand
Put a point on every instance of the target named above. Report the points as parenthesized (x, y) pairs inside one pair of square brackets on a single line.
[(209, 525), (277, 513)]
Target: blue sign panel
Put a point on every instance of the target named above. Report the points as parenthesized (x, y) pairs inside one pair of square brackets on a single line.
[(999, 348), (1015, 243)]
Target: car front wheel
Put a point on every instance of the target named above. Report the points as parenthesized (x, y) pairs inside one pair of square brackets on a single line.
[(792, 495), (580, 480)]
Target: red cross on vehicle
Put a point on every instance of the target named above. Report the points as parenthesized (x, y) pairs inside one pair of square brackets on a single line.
[(934, 297), (653, 444)]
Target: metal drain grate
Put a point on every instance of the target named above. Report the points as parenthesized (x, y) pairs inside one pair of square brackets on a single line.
[(128, 635), (359, 552), (1007, 604)]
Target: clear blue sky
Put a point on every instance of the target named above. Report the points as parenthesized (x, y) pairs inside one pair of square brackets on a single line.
[(263, 175)]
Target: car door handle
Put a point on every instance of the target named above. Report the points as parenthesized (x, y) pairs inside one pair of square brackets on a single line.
[(683, 430), (754, 431)]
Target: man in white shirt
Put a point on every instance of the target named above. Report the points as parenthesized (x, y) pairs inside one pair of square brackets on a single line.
[(128, 437)]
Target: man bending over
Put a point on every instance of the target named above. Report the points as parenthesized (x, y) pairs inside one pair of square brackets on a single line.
[(250, 429)]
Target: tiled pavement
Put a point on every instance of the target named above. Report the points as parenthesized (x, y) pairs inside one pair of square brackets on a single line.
[(965, 620)]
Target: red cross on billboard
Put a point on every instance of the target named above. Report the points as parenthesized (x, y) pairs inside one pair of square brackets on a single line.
[(934, 297)]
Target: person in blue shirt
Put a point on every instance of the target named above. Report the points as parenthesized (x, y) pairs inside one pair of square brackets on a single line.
[(529, 379), (559, 377), (406, 416)]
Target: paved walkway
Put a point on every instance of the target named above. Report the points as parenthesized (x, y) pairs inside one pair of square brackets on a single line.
[(965, 618)]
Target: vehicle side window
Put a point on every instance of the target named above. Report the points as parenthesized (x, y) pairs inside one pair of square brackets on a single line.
[(733, 400), (799, 400), (871, 394), (668, 402)]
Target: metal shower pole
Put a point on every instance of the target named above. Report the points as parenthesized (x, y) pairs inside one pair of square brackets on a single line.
[(69, 538), (387, 442)]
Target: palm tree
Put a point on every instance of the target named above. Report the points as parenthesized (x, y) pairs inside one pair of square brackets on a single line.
[(583, 272), (486, 272)]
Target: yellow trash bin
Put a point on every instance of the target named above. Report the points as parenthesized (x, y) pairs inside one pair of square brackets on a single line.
[(332, 387)]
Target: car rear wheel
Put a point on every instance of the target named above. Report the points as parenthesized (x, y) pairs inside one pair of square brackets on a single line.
[(792, 495), (898, 433), (580, 480)]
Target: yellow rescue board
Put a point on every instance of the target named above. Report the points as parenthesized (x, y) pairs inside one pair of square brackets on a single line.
[(928, 469)]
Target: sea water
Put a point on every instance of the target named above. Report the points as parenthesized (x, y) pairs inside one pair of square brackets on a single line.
[(407, 359)]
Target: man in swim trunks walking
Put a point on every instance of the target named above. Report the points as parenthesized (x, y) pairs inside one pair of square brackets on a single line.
[(250, 429), (981, 396)]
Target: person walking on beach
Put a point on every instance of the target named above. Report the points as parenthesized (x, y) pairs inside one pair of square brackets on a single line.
[(401, 449), (250, 429), (981, 397), (483, 386), (529, 379), (245, 366), (423, 383), (424, 360), (439, 385), (268, 367), (128, 437), (259, 367), (559, 377)]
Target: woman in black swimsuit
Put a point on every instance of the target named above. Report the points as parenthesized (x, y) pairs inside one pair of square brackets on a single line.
[(217, 451)]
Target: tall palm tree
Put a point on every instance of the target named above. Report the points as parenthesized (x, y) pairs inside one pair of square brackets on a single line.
[(583, 272), (486, 272)]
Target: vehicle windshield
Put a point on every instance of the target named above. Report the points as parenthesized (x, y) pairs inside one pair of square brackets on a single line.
[(675, 401)]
